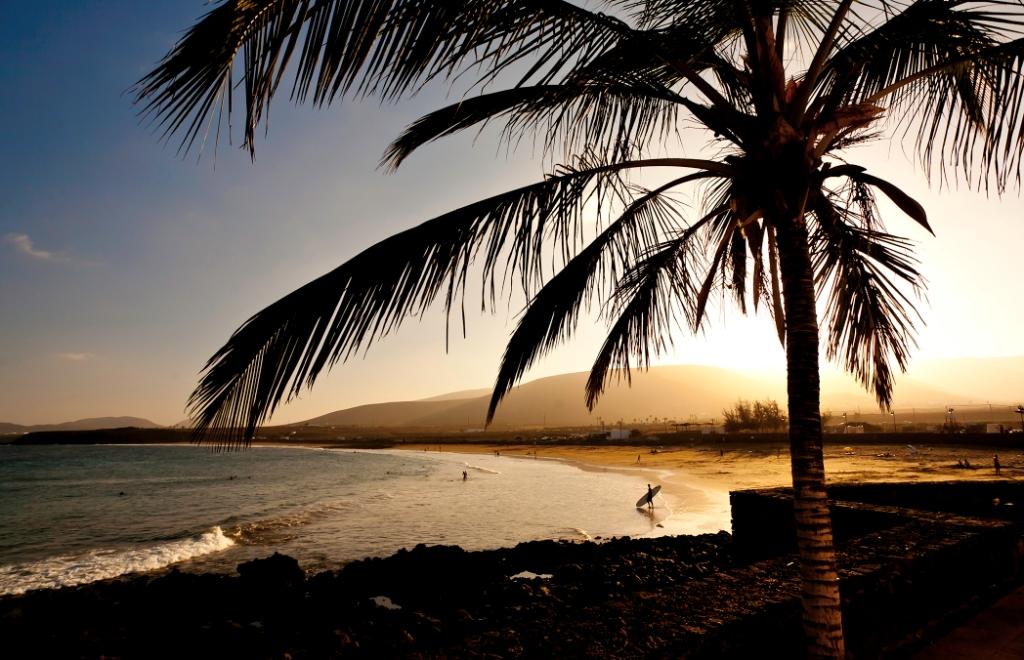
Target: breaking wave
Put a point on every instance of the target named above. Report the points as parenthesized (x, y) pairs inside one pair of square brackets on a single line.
[(283, 528), (102, 564), (481, 469)]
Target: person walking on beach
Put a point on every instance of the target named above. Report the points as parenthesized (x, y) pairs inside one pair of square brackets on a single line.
[(995, 463), (465, 475)]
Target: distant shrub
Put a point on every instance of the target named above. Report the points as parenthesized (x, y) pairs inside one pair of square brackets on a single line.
[(757, 416)]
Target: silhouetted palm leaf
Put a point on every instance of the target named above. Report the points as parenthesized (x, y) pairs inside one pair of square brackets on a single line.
[(383, 47), (551, 316), (870, 321), (647, 300), (905, 202), (949, 69), (605, 118), (285, 347), (648, 297)]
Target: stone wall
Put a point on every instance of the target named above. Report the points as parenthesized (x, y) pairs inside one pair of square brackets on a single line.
[(912, 556)]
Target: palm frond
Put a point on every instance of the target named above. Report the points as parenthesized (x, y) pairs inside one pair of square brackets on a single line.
[(646, 302), (647, 298), (719, 266), (551, 316), (737, 266), (951, 72), (870, 321), (605, 118), (385, 48), (284, 347), (778, 311), (905, 202)]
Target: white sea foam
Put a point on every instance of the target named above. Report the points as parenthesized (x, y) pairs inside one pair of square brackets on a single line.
[(530, 575), (582, 533), (269, 530), (385, 602), (69, 570), (481, 469)]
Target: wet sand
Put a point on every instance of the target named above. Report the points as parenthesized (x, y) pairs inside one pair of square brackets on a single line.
[(715, 469)]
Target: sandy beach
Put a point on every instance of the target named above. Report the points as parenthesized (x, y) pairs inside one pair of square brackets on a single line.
[(733, 466), (696, 480)]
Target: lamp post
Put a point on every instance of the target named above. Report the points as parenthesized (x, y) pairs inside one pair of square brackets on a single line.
[(893, 413), (844, 422)]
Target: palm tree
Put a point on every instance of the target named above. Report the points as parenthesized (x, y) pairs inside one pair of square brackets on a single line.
[(782, 89)]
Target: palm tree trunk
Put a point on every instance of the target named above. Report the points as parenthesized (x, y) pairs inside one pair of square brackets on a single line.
[(822, 615)]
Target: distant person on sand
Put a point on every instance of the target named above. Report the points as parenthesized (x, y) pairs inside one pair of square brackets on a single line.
[(638, 458), (995, 463), (650, 497), (465, 475)]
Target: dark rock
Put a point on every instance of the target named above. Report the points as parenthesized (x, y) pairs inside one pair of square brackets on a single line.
[(276, 572)]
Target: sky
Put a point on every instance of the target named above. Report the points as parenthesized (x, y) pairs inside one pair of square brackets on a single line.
[(124, 266)]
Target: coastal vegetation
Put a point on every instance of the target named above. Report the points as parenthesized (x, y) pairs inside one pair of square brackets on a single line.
[(782, 89), (757, 416)]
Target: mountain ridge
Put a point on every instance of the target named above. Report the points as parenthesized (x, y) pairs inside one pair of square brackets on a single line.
[(86, 424), (670, 392), (678, 392)]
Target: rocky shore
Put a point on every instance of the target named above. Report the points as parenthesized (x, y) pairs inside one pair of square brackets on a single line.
[(619, 598)]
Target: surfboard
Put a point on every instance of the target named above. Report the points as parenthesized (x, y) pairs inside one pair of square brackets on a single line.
[(642, 502)]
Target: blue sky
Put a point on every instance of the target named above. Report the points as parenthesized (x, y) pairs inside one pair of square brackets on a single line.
[(124, 266)]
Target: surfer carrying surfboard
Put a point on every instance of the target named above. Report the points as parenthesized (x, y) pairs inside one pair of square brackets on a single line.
[(648, 497)]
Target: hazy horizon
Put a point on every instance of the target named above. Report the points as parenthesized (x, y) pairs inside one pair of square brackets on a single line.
[(969, 384)]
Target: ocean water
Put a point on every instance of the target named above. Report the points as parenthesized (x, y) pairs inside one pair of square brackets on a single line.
[(71, 515)]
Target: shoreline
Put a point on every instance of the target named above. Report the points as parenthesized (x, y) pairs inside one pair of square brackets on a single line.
[(757, 465), (614, 517), (696, 481), (714, 472), (910, 574), (684, 494)]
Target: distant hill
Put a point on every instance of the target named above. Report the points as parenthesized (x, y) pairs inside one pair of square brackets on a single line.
[(677, 392), (89, 424), (106, 436), (461, 394), (394, 413), (666, 392)]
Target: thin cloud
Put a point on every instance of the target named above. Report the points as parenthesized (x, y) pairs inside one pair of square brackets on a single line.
[(74, 357), (23, 244)]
